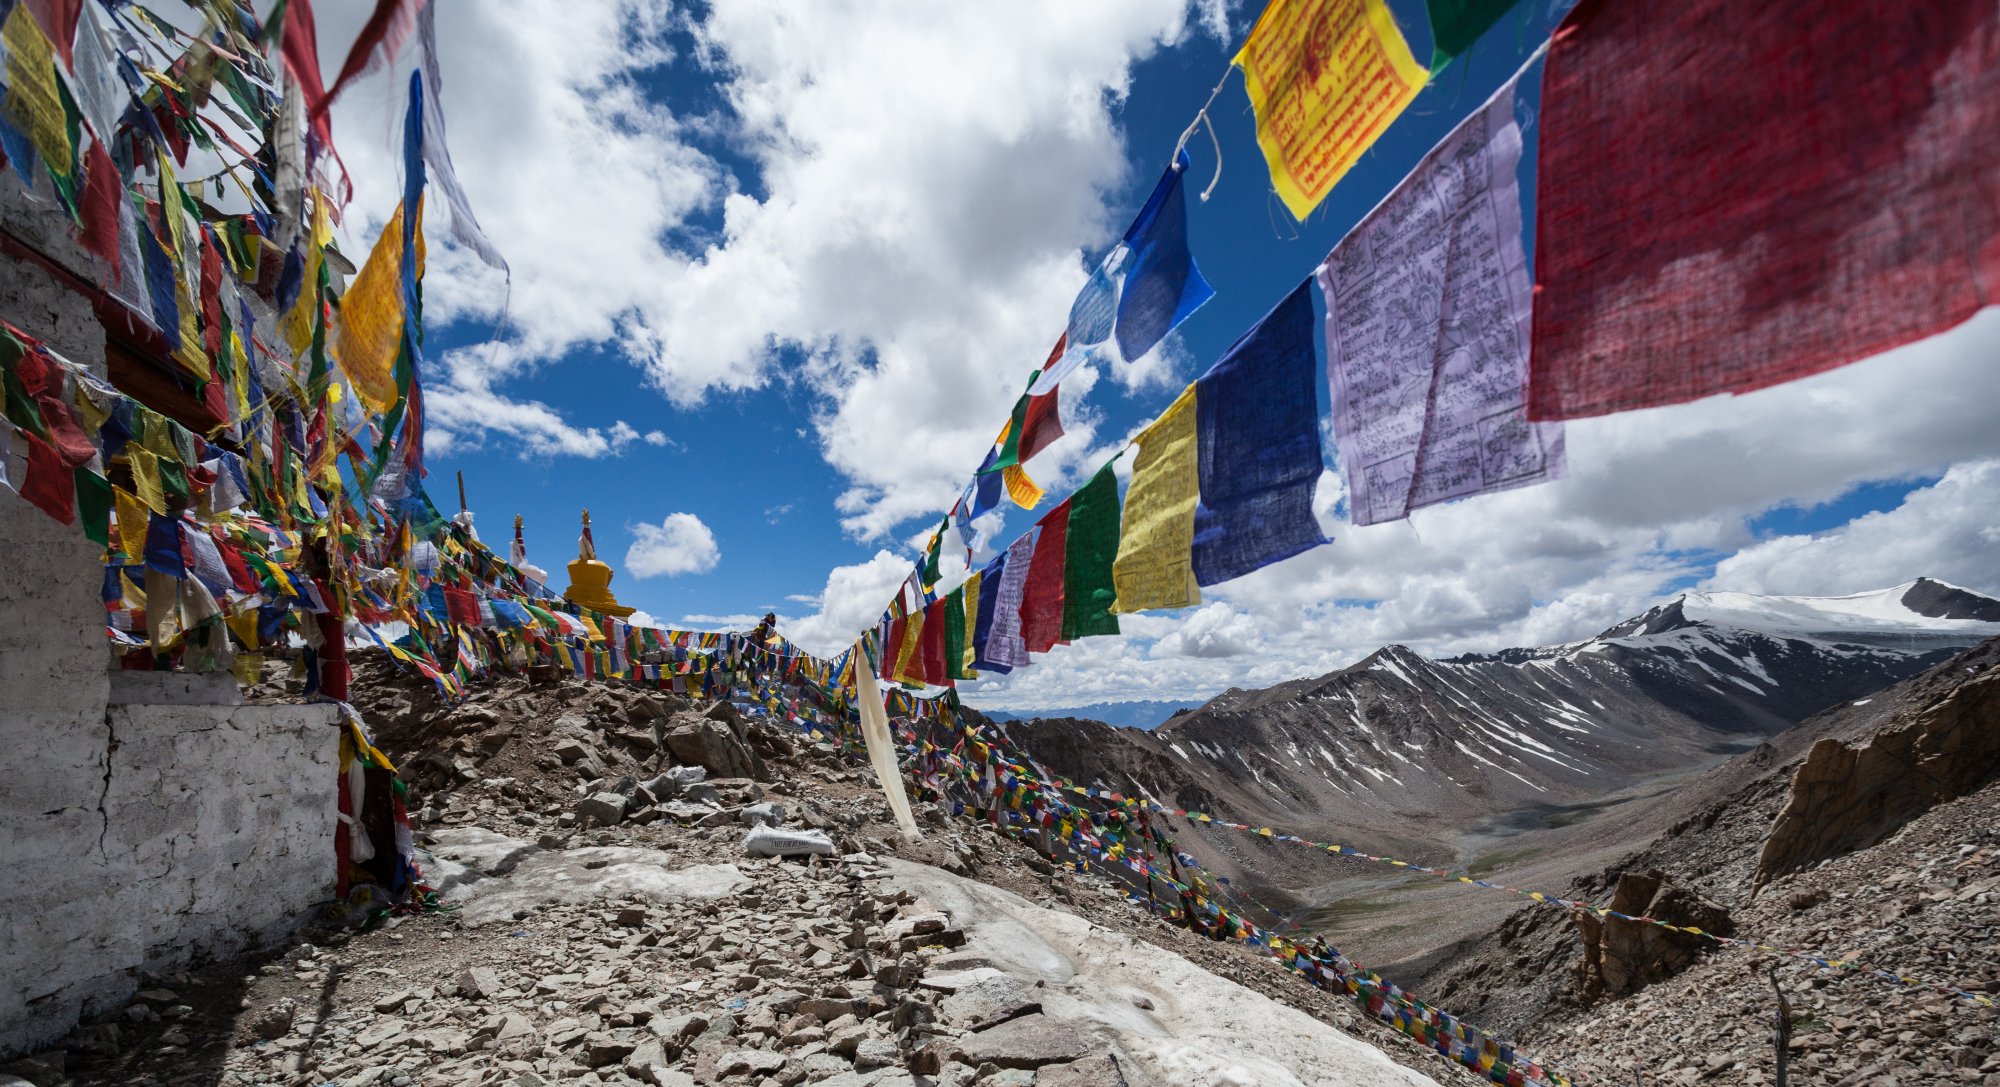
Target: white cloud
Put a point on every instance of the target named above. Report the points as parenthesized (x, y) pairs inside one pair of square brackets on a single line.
[(925, 181), (851, 603), (1949, 530), (681, 544)]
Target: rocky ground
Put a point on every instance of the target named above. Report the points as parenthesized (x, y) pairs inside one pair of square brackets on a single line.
[(609, 926), (1922, 899)]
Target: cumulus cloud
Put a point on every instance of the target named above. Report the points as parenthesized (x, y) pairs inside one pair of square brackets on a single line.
[(1949, 530), (681, 544), (851, 603), (906, 245)]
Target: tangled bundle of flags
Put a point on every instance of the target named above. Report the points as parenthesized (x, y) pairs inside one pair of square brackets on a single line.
[(1830, 198)]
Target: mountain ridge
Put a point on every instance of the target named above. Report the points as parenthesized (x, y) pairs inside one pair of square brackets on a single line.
[(1399, 753)]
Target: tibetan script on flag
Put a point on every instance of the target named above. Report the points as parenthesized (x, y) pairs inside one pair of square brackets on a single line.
[(1427, 305), (1326, 78)]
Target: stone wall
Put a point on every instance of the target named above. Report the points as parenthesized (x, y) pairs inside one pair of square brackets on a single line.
[(134, 832)]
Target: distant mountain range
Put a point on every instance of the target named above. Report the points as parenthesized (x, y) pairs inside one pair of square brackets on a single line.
[(1401, 753), (1139, 715)]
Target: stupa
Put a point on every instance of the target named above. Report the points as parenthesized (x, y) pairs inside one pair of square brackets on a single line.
[(590, 580)]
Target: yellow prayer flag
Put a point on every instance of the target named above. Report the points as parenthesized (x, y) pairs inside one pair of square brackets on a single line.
[(1326, 78), (371, 316), (131, 522), (1155, 563), (913, 636), (243, 624), (146, 477), (1021, 487), (32, 99), (192, 354), (971, 617)]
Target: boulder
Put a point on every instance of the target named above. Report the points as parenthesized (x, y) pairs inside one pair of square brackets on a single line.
[(1621, 957), (1028, 1042), (988, 1002), (714, 745), (1845, 798), (604, 809)]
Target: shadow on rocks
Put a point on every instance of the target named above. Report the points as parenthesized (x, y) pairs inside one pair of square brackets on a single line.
[(178, 1029)]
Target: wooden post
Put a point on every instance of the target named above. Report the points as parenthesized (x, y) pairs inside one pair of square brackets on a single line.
[(461, 490), (1783, 1036)]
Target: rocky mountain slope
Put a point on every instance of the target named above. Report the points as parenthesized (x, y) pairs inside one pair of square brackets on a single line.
[(606, 925), (1401, 754), (1869, 834)]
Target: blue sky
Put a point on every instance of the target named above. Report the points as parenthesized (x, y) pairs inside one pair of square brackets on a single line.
[(777, 271)]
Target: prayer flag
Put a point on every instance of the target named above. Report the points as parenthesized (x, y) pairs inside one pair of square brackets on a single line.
[(1091, 547), (969, 628), (381, 38), (437, 154), (1162, 285), (33, 101), (1145, 287), (1427, 307), (954, 634), (1456, 24), (1326, 78), (1042, 595), (1021, 487), (1155, 564), (1735, 195), (49, 485), (372, 314), (1003, 647), (932, 651), (881, 746)]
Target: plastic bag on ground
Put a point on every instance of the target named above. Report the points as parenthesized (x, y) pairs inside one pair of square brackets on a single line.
[(772, 842)]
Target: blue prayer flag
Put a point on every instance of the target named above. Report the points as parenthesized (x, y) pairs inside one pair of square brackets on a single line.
[(1258, 424)]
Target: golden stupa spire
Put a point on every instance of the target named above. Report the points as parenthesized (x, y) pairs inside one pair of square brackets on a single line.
[(590, 580)]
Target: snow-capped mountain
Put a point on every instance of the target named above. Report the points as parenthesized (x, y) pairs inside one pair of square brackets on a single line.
[(1400, 750)]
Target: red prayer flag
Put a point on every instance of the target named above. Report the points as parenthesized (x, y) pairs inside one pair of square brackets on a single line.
[(102, 190), (381, 38), (1042, 596), (462, 606), (898, 630), (49, 485), (1042, 425), (58, 19), (933, 668), (300, 48), (1733, 195), (44, 381)]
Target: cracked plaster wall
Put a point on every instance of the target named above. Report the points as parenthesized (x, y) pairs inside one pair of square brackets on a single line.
[(135, 835)]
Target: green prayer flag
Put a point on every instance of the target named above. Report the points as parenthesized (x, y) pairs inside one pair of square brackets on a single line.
[(1456, 24), (931, 572), (1091, 548), (954, 634), (1010, 450), (174, 483), (93, 505)]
